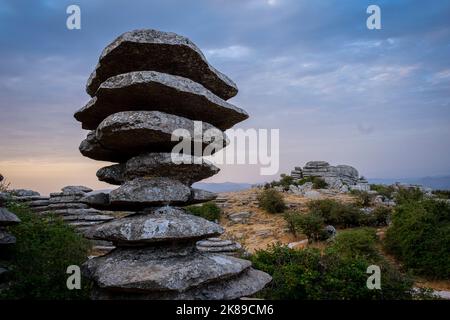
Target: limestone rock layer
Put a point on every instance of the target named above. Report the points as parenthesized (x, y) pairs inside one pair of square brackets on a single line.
[(151, 90)]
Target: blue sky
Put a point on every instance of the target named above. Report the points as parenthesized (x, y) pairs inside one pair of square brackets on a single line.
[(375, 99)]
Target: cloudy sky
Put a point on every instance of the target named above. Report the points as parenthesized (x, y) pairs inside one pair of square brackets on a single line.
[(375, 99)]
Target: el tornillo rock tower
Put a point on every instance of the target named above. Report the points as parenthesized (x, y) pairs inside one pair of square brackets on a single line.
[(147, 84)]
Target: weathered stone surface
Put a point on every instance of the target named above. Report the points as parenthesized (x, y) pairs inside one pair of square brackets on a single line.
[(142, 193), (165, 52), (73, 216), (135, 132), (127, 134), (199, 196), (155, 91), (245, 284), (76, 189), (64, 205), (7, 218), (24, 193), (65, 198), (214, 243), (113, 174), (189, 170), (6, 238), (91, 148), (206, 246), (161, 268), (163, 224), (343, 173), (97, 200)]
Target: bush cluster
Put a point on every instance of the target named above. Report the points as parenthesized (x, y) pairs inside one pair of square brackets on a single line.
[(38, 261), (383, 190), (363, 198), (271, 201), (337, 273), (442, 194), (420, 237), (209, 211), (310, 225), (346, 215)]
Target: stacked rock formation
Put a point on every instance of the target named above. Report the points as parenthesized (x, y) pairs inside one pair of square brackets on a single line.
[(297, 173), (146, 85), (7, 218), (67, 204), (346, 174), (218, 245), (33, 199)]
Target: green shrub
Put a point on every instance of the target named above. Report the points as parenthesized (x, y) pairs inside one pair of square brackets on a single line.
[(336, 213), (442, 194), (272, 201), (384, 190), (356, 243), (309, 274), (309, 224), (404, 195), (302, 181), (38, 261), (319, 183), (382, 216), (363, 198), (209, 211), (420, 237)]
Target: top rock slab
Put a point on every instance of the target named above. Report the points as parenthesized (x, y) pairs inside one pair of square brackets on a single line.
[(156, 91), (166, 52)]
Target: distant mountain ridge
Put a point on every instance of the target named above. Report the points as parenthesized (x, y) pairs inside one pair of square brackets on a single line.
[(437, 182), (222, 186)]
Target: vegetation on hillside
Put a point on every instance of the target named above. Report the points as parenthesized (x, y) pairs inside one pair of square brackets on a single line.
[(420, 236), (38, 261), (339, 272), (271, 201), (209, 210)]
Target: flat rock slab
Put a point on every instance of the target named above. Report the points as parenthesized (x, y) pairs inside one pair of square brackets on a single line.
[(86, 217), (155, 91), (124, 135), (139, 131), (228, 248), (8, 218), (165, 52), (160, 269), (63, 205), (76, 189), (245, 284), (141, 193), (165, 225), (208, 243), (187, 169)]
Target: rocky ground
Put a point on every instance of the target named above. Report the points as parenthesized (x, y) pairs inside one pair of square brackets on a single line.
[(253, 227), (256, 229)]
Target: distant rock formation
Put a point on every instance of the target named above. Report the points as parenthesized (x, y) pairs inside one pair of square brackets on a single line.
[(68, 205), (147, 84), (340, 177)]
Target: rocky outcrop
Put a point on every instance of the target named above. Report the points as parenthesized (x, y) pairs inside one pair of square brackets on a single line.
[(341, 178), (170, 53), (147, 85)]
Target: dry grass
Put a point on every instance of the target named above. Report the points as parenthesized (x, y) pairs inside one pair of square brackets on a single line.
[(249, 234)]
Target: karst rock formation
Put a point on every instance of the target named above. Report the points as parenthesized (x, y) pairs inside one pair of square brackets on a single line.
[(146, 85)]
